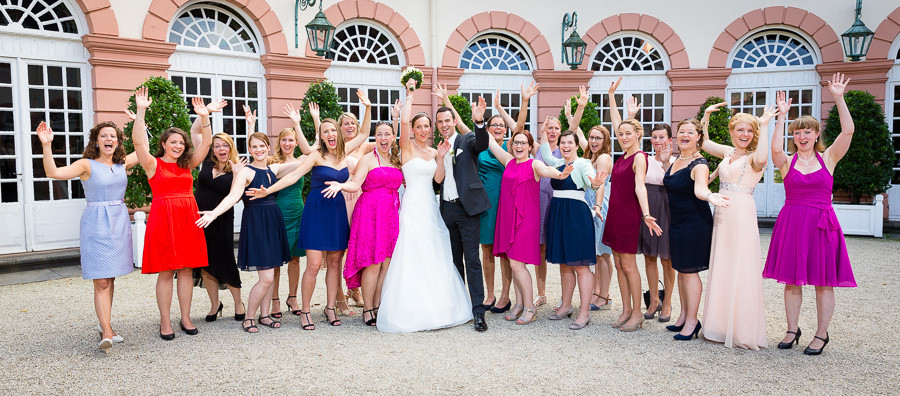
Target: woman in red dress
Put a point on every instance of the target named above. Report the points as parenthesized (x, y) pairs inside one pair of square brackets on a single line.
[(172, 243)]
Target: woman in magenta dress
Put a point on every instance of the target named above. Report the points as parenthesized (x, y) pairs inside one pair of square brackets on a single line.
[(627, 207), (807, 245), (518, 232), (376, 217), (173, 211)]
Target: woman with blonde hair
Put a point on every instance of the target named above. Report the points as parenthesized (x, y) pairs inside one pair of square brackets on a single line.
[(599, 152)]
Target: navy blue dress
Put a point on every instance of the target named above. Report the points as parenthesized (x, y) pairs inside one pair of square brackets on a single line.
[(690, 222), (569, 226), (263, 243), (324, 225)]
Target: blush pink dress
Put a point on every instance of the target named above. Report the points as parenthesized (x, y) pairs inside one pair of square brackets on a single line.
[(518, 231), (375, 222)]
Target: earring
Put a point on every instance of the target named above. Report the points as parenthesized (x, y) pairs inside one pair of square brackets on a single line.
[(97, 146)]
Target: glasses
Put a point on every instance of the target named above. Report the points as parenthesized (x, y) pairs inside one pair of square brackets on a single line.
[(221, 146), (497, 126), (596, 138), (518, 143)]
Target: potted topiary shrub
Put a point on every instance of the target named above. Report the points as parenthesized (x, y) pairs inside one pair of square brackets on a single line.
[(718, 132), (865, 171), (589, 119), (325, 95)]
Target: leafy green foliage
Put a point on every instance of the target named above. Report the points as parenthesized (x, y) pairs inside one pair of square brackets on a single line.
[(464, 109), (168, 110), (718, 132), (589, 119), (324, 94), (866, 169)]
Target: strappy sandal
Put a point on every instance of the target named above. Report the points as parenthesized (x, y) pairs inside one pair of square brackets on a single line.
[(371, 321), (277, 315), (251, 327), (295, 312), (540, 300), (352, 295), (309, 324), (512, 315), (273, 324), (532, 319), (336, 321), (345, 312), (604, 306)]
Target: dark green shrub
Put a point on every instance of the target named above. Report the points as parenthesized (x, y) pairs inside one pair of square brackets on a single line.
[(168, 110), (323, 94), (866, 169), (590, 118), (718, 132)]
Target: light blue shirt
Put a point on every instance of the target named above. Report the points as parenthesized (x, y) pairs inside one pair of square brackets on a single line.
[(582, 172)]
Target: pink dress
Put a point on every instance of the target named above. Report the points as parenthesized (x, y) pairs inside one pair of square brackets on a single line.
[(807, 245), (518, 232), (375, 222)]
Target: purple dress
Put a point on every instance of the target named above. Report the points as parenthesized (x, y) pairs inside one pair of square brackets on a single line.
[(375, 222), (518, 234), (546, 194), (622, 231), (807, 245)]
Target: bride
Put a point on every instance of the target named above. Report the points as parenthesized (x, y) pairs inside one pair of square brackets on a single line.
[(422, 289)]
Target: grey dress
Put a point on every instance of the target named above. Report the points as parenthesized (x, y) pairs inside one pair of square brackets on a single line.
[(105, 225)]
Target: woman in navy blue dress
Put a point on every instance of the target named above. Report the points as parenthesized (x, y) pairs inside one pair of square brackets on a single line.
[(324, 228)]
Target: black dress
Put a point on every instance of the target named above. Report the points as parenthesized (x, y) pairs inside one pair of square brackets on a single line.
[(691, 222), (220, 233)]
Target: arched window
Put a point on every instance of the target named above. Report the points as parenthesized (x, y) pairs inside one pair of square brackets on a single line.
[(773, 48), (207, 26), (628, 53), (364, 44), (494, 52), (53, 15)]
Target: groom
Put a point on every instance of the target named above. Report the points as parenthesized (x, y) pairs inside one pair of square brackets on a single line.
[(463, 199)]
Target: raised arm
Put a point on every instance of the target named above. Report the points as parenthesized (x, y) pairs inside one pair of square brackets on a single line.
[(542, 170), (527, 93), (837, 86), (544, 148), (395, 116), (499, 153), (614, 115), (633, 107), (640, 172), (481, 135), (363, 134), (315, 114), (440, 92), (711, 147), (250, 117), (80, 168), (202, 150), (760, 157), (139, 132), (406, 128), (700, 174), (234, 195), (285, 168), (294, 115), (779, 158), (512, 124), (131, 159), (575, 123)]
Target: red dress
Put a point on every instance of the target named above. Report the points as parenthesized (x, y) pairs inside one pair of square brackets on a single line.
[(622, 231), (173, 241)]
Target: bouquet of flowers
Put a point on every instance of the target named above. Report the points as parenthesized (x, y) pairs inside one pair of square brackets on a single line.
[(412, 73)]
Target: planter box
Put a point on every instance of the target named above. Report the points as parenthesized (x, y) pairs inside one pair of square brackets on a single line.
[(863, 219)]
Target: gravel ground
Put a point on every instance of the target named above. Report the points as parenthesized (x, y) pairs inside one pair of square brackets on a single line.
[(50, 347)]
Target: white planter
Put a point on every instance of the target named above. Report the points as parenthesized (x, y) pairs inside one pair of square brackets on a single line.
[(138, 229), (865, 219)]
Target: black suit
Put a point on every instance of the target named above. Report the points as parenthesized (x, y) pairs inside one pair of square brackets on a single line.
[(462, 216)]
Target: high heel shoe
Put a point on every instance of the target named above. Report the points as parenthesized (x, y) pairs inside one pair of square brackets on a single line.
[(188, 331), (579, 326), (675, 328), (502, 309), (694, 334), (790, 344), (652, 314), (105, 344), (558, 316), (309, 324), (115, 338), (276, 315), (356, 296), (634, 327), (345, 312), (371, 321), (336, 321), (540, 300), (295, 312), (810, 351), (602, 307), (515, 316), (240, 317), (272, 322), (213, 317), (533, 316)]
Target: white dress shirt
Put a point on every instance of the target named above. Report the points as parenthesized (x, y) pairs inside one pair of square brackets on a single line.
[(450, 192)]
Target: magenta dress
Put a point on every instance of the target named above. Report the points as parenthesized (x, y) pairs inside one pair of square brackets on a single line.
[(375, 222), (518, 231), (622, 231), (807, 245)]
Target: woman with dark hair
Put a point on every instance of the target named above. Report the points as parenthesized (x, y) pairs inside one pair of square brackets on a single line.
[(173, 210), (690, 231), (105, 232), (599, 153), (324, 228), (807, 243), (654, 246)]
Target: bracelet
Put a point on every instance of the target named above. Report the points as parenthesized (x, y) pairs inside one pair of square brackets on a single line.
[(707, 196), (205, 126), (645, 216)]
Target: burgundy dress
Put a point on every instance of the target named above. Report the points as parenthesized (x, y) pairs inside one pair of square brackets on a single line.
[(375, 222), (622, 231), (518, 232)]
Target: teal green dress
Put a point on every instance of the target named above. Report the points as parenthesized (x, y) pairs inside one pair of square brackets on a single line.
[(490, 170), (290, 201)]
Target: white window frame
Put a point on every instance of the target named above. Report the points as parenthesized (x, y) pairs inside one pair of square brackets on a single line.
[(892, 100)]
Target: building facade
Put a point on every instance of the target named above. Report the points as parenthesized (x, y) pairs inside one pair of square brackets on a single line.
[(74, 62)]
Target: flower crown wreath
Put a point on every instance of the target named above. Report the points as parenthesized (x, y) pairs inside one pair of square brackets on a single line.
[(412, 73)]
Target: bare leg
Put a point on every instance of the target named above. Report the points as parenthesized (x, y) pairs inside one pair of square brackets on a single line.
[(276, 301), (369, 284), (164, 300), (693, 289), (293, 270), (623, 289), (381, 273), (683, 299), (669, 276), (260, 293), (652, 282), (824, 312), (212, 288), (506, 273), (524, 293), (333, 281), (540, 274), (238, 302), (585, 291), (103, 305), (567, 279), (185, 294), (793, 298), (633, 282), (308, 285), (487, 268)]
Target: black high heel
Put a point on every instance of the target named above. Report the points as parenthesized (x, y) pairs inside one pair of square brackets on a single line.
[(240, 317), (188, 331), (502, 309), (675, 328), (790, 344), (309, 324), (295, 312), (276, 315), (212, 318), (336, 321), (371, 321), (694, 334), (810, 351)]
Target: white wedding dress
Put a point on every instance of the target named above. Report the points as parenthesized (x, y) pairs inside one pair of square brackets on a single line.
[(422, 289)]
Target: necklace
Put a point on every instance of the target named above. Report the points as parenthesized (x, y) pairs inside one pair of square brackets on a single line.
[(688, 157), (804, 161), (384, 162), (420, 147)]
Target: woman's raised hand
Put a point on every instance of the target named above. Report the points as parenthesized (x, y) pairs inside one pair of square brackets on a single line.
[(130, 114), (200, 107), (567, 110), (44, 133), (250, 115), (395, 110), (633, 106), (236, 167), (544, 130), (767, 115), (206, 219), (216, 106), (363, 98), (665, 153), (332, 190), (598, 179), (718, 200), (479, 109), (582, 98), (614, 86), (497, 104), (440, 92), (256, 193), (566, 171), (713, 108), (406, 113), (313, 110), (784, 106), (141, 99), (443, 148), (529, 91), (294, 115), (838, 84)]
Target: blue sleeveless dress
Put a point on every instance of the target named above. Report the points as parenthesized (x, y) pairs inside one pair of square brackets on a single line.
[(324, 225), (263, 244), (570, 227), (105, 225)]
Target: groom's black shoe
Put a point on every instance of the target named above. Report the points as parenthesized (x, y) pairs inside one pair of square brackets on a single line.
[(480, 324)]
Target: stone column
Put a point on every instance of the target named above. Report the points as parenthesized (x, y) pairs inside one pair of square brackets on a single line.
[(691, 87)]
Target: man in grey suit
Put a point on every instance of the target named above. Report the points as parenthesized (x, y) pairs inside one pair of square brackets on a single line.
[(463, 199)]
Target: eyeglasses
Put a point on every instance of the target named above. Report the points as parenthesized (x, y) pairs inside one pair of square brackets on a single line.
[(518, 143), (221, 146), (497, 126), (596, 138)]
